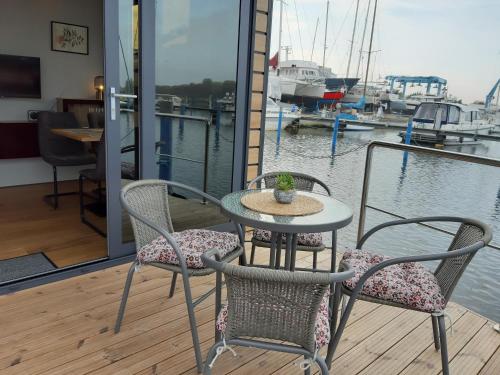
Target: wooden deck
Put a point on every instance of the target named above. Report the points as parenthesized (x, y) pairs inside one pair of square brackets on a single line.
[(67, 328)]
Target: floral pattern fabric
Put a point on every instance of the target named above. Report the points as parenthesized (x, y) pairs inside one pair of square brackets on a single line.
[(193, 243), (409, 284), (321, 329), (304, 239)]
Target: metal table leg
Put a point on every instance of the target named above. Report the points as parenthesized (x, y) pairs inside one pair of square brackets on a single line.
[(279, 245), (293, 252), (288, 251), (272, 252)]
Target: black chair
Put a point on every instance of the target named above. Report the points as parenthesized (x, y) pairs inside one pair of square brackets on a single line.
[(96, 120), (60, 151)]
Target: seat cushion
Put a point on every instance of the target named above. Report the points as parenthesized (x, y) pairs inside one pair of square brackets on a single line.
[(304, 239), (408, 284), (321, 330), (192, 243)]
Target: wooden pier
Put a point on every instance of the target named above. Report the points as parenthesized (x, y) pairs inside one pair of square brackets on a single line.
[(327, 123)]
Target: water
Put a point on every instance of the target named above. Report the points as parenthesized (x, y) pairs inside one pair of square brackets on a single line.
[(428, 187)]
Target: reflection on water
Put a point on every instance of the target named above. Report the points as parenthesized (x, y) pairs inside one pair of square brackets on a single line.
[(428, 186)]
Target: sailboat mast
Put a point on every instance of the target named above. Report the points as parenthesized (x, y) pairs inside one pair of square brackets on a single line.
[(326, 32), (363, 38), (370, 48), (279, 37), (314, 39), (352, 39)]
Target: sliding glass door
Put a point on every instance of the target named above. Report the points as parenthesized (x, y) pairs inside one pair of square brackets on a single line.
[(176, 80)]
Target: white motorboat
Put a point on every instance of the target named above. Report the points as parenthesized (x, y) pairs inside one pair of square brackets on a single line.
[(447, 116), (289, 115), (307, 78)]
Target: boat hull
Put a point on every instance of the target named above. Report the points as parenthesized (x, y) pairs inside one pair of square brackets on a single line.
[(272, 121)]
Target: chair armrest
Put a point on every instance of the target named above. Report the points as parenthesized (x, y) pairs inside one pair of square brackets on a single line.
[(209, 198), (409, 221)]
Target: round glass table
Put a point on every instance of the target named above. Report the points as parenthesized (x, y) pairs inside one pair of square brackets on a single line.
[(333, 216)]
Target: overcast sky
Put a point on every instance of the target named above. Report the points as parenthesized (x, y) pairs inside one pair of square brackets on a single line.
[(458, 40)]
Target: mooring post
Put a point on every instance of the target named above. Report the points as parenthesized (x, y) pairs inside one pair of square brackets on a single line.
[(409, 129), (278, 133), (217, 118), (181, 121), (166, 148), (335, 134)]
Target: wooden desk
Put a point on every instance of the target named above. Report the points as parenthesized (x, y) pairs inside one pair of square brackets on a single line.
[(81, 135)]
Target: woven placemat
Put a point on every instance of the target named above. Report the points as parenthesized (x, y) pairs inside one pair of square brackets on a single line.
[(264, 202)]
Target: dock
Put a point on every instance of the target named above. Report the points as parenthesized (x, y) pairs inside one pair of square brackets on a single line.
[(327, 123), (66, 327)]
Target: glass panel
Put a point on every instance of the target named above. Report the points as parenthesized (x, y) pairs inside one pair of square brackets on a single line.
[(196, 67), (454, 115), (128, 69)]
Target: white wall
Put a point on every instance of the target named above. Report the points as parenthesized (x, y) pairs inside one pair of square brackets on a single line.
[(25, 30)]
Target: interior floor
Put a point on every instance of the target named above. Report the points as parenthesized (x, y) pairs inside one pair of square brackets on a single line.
[(29, 225)]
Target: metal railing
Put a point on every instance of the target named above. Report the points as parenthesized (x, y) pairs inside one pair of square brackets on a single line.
[(207, 122), (416, 149)]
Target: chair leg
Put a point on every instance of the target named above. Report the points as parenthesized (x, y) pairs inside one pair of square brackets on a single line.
[(315, 261), (172, 285), (252, 254), (123, 303), (334, 341), (243, 258), (307, 371), (56, 190), (435, 331), (192, 321), (444, 345), (322, 365), (211, 354)]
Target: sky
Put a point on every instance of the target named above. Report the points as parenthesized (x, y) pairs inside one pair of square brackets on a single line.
[(458, 40)]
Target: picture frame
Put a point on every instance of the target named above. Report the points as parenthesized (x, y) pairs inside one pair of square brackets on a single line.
[(69, 38)]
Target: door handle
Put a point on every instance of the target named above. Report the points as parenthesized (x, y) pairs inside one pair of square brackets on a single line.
[(113, 95)]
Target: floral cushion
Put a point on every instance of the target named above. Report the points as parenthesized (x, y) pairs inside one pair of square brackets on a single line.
[(409, 284), (304, 239), (322, 328), (192, 243)]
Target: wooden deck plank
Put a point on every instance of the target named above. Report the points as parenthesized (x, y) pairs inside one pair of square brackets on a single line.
[(493, 365), (475, 355), (74, 335), (429, 361), (401, 354)]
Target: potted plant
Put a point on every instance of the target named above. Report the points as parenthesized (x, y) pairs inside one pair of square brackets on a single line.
[(284, 191)]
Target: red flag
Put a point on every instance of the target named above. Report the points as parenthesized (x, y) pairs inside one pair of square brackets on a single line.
[(273, 61)]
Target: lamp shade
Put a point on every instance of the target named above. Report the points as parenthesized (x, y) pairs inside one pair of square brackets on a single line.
[(99, 83)]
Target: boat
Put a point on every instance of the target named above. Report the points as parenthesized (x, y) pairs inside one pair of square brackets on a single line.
[(290, 114), (306, 77), (447, 116)]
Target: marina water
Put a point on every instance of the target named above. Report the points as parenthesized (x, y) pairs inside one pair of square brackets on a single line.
[(429, 186)]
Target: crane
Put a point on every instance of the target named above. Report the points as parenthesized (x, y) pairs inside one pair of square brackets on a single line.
[(491, 94)]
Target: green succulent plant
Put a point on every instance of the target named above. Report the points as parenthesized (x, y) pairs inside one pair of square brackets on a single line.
[(285, 182)]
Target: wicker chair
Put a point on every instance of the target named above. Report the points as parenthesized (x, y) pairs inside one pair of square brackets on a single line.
[(263, 238), (146, 202), (432, 289), (274, 305)]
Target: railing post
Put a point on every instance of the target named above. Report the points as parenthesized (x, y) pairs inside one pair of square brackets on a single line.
[(218, 117), (205, 165), (166, 148), (335, 134), (278, 133)]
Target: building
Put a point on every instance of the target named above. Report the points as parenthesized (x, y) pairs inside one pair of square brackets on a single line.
[(174, 90)]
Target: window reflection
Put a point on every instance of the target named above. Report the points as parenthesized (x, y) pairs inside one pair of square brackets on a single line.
[(196, 68)]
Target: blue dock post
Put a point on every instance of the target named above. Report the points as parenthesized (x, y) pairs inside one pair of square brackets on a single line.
[(181, 121), (409, 130), (166, 148), (335, 134), (218, 118), (278, 133)]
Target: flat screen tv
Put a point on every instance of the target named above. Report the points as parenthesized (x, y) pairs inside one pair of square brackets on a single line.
[(19, 77)]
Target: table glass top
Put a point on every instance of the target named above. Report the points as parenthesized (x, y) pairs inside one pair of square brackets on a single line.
[(335, 214)]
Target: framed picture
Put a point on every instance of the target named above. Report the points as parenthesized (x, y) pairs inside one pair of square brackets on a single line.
[(69, 38)]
